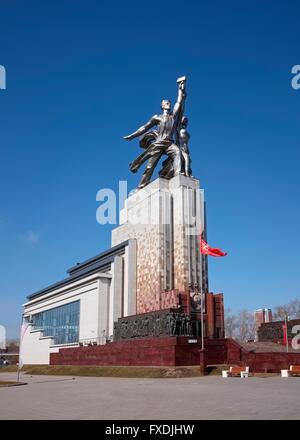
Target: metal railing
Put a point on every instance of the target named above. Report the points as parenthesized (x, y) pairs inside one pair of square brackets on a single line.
[(93, 341)]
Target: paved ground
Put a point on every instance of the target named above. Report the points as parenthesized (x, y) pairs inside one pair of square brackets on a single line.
[(50, 397)]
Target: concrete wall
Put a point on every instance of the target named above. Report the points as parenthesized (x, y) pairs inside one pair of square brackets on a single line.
[(35, 349)]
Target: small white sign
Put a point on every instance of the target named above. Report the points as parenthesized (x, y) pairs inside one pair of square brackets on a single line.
[(193, 341)]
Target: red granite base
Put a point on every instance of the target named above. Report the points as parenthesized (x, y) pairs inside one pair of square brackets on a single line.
[(172, 352), (260, 362), (169, 351)]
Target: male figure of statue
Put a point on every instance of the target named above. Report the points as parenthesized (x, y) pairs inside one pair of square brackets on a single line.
[(182, 140), (160, 141)]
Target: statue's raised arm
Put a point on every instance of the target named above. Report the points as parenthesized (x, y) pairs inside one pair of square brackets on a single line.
[(181, 96)]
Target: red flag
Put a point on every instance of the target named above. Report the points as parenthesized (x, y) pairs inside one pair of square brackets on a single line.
[(284, 329), (208, 250)]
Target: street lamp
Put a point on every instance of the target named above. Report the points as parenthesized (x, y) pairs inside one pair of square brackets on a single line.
[(202, 318), (197, 297), (203, 366)]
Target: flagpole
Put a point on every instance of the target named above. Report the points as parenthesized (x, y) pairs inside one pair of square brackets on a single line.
[(202, 301), (202, 229), (286, 333), (18, 374), (22, 334), (202, 319), (202, 351)]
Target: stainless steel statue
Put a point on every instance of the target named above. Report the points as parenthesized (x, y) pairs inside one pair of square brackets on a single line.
[(171, 139), (182, 141)]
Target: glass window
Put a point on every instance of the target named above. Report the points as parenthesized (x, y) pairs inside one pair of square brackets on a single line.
[(61, 322)]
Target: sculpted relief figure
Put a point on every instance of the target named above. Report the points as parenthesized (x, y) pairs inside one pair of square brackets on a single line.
[(170, 138)]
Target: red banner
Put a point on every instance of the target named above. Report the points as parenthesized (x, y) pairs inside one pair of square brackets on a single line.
[(284, 329), (208, 250)]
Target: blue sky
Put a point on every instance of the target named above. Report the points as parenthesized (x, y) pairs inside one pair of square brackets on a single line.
[(82, 74)]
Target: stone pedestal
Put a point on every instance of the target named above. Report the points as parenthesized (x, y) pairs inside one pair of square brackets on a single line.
[(165, 218)]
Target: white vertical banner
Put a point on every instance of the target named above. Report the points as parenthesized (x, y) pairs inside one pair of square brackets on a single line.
[(23, 330), (2, 337)]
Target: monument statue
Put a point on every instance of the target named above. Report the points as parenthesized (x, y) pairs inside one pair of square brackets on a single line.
[(170, 138)]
